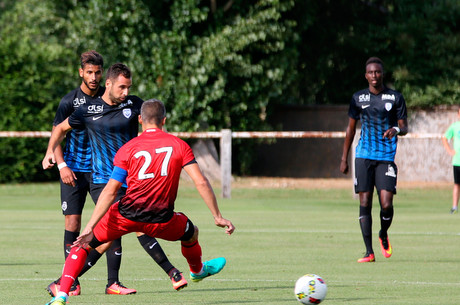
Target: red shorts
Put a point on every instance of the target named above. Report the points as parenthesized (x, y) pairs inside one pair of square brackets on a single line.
[(113, 225)]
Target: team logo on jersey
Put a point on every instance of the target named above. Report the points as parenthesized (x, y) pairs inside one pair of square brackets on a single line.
[(364, 98), (391, 171), (390, 97), (127, 113), (77, 102), (95, 108), (388, 106)]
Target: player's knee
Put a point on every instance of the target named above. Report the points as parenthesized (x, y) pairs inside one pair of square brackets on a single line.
[(191, 234), (98, 246), (194, 237), (365, 202), (386, 206), (73, 223), (195, 234), (386, 200)]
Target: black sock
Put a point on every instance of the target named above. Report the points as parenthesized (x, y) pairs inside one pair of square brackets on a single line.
[(365, 221), (91, 260), (172, 272), (113, 255), (69, 238), (153, 248), (386, 217)]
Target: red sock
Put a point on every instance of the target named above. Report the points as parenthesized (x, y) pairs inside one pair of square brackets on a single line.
[(192, 254), (73, 265)]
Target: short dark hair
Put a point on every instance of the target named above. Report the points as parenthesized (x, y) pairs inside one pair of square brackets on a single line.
[(153, 111), (118, 69), (91, 58), (374, 60)]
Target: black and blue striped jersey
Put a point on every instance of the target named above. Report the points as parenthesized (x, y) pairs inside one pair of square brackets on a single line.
[(377, 113), (77, 151), (108, 128)]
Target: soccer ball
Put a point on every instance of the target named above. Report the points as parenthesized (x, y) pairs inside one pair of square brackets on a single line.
[(310, 289)]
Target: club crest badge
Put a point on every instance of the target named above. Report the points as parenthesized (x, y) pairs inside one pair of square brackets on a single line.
[(127, 113), (388, 106), (391, 171)]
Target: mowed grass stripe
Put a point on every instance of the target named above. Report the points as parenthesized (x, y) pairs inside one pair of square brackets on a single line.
[(281, 235)]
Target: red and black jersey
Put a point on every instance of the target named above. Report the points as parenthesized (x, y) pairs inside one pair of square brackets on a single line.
[(154, 161)]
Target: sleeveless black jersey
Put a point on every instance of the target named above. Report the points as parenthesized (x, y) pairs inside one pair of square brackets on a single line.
[(77, 151), (108, 128), (377, 113)]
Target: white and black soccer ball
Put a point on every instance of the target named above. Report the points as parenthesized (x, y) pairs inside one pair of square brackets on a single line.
[(310, 289)]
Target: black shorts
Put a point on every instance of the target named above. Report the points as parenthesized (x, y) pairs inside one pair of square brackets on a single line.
[(96, 190), (372, 173), (456, 174), (73, 198)]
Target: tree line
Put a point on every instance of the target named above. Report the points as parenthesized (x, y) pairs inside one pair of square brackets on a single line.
[(219, 64)]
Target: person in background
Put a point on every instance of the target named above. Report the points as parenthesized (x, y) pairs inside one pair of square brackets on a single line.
[(453, 134), (383, 115)]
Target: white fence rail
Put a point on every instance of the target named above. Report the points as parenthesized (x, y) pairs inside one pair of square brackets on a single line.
[(226, 136), (235, 134)]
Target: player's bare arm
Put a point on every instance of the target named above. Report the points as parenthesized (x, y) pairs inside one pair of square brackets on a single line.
[(206, 192), (448, 148), (349, 136), (400, 130), (67, 175), (57, 135)]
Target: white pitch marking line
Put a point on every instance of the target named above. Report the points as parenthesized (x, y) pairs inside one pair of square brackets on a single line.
[(345, 232), (261, 281)]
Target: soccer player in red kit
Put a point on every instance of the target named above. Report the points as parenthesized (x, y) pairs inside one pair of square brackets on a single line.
[(151, 165)]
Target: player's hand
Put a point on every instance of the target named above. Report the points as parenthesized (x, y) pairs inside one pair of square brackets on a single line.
[(48, 160), (344, 166), (225, 223), (390, 133), (68, 176), (84, 239)]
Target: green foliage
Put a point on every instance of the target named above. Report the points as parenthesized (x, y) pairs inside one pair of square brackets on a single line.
[(223, 64), (33, 79), (428, 67), (20, 160), (213, 70), (418, 41), (33, 65)]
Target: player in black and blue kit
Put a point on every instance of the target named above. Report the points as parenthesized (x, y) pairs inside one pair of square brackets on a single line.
[(383, 117), (111, 121), (74, 163)]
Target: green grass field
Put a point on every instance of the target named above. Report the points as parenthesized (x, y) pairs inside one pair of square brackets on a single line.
[(281, 234)]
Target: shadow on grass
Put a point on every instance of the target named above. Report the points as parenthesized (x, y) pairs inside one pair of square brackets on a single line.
[(193, 289)]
